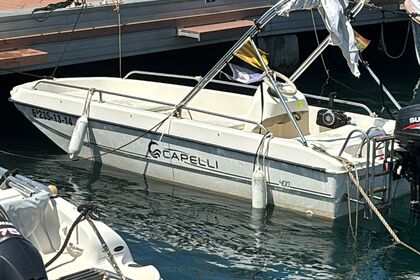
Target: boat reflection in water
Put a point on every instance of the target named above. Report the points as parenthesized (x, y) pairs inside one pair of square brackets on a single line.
[(195, 235)]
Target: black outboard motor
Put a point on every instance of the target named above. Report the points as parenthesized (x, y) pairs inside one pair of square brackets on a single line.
[(407, 132), (19, 259)]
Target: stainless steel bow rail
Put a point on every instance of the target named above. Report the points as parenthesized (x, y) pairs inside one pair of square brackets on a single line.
[(185, 77), (172, 105), (251, 87)]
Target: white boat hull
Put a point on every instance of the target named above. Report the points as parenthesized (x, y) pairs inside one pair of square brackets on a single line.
[(48, 223), (209, 158)]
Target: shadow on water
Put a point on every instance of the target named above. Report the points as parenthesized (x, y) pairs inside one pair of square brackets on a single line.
[(193, 235)]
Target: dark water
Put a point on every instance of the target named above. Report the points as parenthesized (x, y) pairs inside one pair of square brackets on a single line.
[(191, 235)]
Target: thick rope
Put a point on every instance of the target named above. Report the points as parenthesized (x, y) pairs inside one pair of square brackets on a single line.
[(50, 8), (118, 11), (154, 128), (79, 219), (372, 206), (383, 44), (84, 5), (350, 169), (106, 249)]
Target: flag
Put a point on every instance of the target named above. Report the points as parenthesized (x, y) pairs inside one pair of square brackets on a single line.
[(244, 75), (361, 42), (248, 54)]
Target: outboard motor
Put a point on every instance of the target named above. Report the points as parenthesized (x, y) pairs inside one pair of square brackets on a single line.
[(19, 259), (407, 132)]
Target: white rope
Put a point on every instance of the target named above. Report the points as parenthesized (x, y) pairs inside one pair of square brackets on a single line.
[(376, 211), (88, 100), (350, 169), (117, 10)]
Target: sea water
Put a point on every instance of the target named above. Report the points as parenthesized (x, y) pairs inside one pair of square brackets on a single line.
[(191, 235)]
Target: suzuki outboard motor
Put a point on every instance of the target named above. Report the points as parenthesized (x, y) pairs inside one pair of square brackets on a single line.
[(407, 132), (19, 259)]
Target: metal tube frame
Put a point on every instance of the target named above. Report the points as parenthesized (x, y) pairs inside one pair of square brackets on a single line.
[(24, 185), (368, 165), (197, 78), (324, 44), (321, 47), (250, 33), (393, 100), (341, 101), (100, 91), (279, 95), (314, 55)]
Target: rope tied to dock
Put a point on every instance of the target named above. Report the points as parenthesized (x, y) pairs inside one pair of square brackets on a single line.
[(382, 45), (117, 9), (52, 7), (350, 170)]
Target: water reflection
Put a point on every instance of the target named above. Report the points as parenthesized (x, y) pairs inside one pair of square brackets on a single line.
[(194, 235)]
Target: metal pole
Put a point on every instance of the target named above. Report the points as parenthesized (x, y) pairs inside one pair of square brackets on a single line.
[(252, 31), (395, 102), (317, 52), (279, 95)]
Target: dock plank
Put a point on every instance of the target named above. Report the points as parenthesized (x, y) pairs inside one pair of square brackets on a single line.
[(213, 31), (22, 58), (139, 26)]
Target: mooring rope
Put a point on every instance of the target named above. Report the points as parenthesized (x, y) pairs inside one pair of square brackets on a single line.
[(105, 247), (88, 212), (376, 211), (383, 44), (117, 9), (84, 5), (350, 168), (261, 151), (155, 127), (50, 8)]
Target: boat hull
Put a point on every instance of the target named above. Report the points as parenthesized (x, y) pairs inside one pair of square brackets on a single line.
[(192, 161)]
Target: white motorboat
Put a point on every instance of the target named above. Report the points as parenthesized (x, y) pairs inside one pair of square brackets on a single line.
[(223, 142), (43, 236)]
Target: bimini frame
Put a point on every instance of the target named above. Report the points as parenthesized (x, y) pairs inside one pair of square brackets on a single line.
[(249, 35)]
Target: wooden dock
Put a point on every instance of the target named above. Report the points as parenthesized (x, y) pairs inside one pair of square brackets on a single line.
[(35, 41)]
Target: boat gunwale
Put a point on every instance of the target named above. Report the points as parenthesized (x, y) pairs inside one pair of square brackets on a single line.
[(310, 167)]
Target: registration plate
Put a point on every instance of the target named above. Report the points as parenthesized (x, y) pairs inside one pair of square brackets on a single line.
[(51, 116)]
